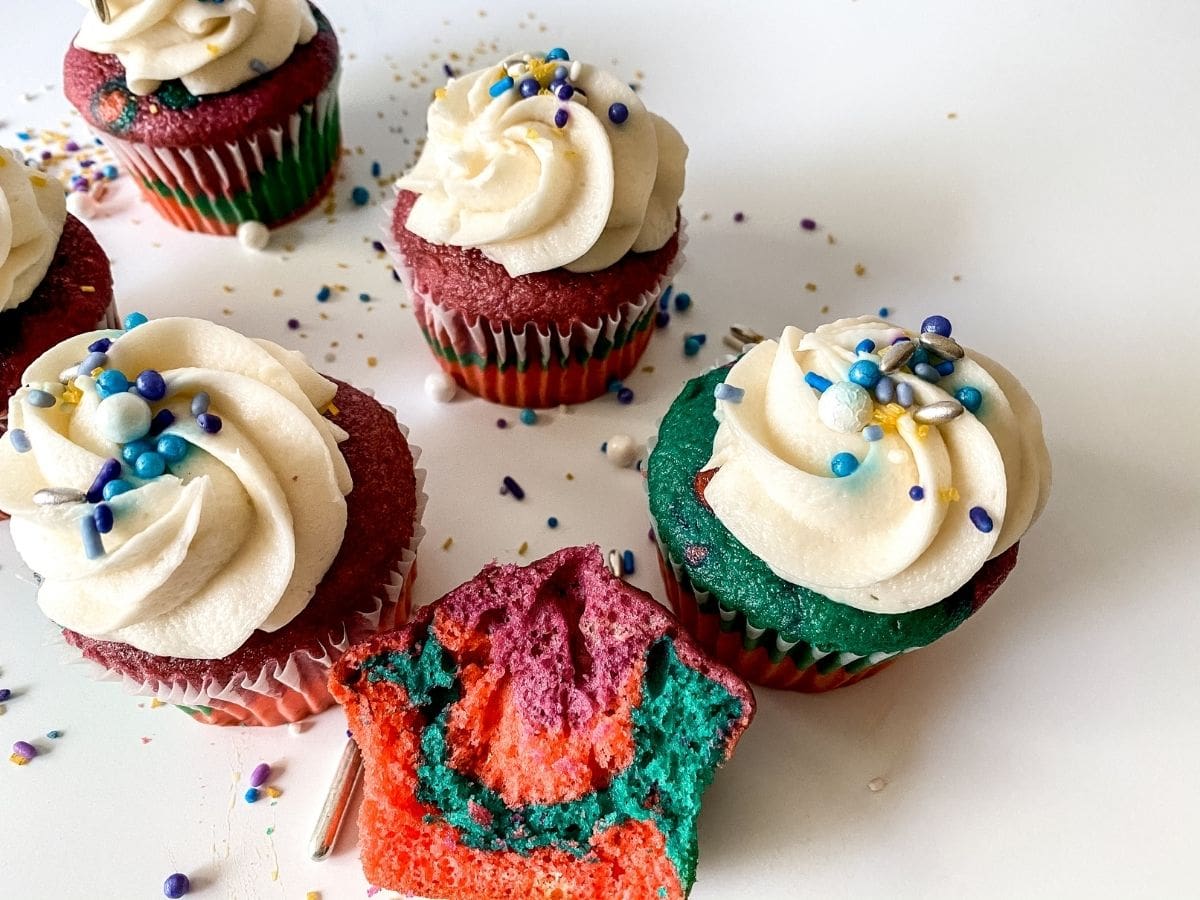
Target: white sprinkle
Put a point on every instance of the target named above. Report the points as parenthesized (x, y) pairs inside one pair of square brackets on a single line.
[(576, 69), (877, 784), (621, 450), (440, 387), (253, 235), (295, 728)]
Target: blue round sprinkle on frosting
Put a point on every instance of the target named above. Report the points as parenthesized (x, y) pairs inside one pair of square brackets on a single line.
[(111, 381), (151, 386), (116, 488), (560, 118), (131, 451), (844, 464), (150, 465), (208, 422), (529, 87), (945, 367), (102, 515), (558, 53), (866, 345), (916, 492), (920, 355), (618, 113), (133, 320), (865, 373), (970, 397), (872, 433), (980, 519), (937, 325), (172, 448)]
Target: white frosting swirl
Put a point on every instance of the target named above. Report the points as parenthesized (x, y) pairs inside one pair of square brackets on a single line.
[(212, 47), (33, 209), (236, 538), (497, 174), (861, 540)]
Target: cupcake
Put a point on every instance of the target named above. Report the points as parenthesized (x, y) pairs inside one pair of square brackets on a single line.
[(212, 522), (538, 227), (840, 497), (223, 113), (544, 731), (54, 278)]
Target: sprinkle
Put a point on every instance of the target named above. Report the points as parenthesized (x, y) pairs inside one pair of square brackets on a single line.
[(511, 487), (150, 465), (691, 345), (971, 398), (662, 319), (529, 87), (948, 495), (360, 196), (40, 399), (938, 413), (843, 464), (945, 347), (683, 301), (904, 394), (273, 792), (18, 760), (102, 517), (324, 293), (945, 368), (916, 492), (884, 312), (872, 433), (875, 785), (664, 299), (151, 386), (628, 564), (896, 357), (163, 419), (926, 372), (885, 389), (109, 470), (725, 391), (440, 387), (866, 345), (502, 423), (93, 546), (808, 224), (560, 118), (939, 325), (59, 496), (739, 217), (210, 423), (19, 440), (621, 450), (293, 324), (980, 519), (817, 382), (364, 297), (133, 320), (528, 416), (865, 373), (110, 382), (176, 886), (253, 235), (5, 695), (100, 346), (116, 488), (618, 113), (625, 396), (200, 403), (558, 53), (552, 522), (54, 734), (172, 448), (501, 87), (93, 361), (252, 795)]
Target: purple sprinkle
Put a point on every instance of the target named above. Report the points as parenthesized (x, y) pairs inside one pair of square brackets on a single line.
[(293, 324), (566, 92), (208, 422), (560, 118), (808, 224), (980, 519), (102, 515), (259, 67), (511, 486), (163, 419), (377, 246), (109, 470), (618, 113), (625, 396), (739, 217), (72, 146), (395, 275), (916, 492), (25, 749), (662, 319), (260, 774), (100, 346), (446, 68), (86, 163), (176, 886), (502, 423), (5, 693)]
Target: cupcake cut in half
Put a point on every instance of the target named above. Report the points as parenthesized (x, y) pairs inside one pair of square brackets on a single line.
[(840, 497), (223, 113), (538, 227), (540, 731), (213, 522)]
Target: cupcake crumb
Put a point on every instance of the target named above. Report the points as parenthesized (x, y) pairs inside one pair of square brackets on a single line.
[(876, 784)]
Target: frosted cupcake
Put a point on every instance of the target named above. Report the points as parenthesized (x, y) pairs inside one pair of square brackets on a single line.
[(213, 522), (837, 498), (223, 112), (538, 227), (54, 278)]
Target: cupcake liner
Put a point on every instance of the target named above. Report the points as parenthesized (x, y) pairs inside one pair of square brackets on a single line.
[(273, 175), (297, 686), (535, 367)]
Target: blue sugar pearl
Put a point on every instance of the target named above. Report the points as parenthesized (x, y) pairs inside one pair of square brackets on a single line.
[(885, 389), (866, 345), (904, 394), (817, 382), (252, 795), (528, 416), (131, 451), (625, 396), (980, 519), (116, 488), (566, 92), (920, 355), (937, 325), (172, 448), (111, 381), (872, 433), (501, 87), (844, 464), (19, 440), (208, 422), (691, 346), (560, 118), (41, 399), (93, 361), (628, 566), (324, 293), (364, 297), (109, 470), (150, 465), (926, 372), (552, 522), (662, 318), (529, 87), (558, 53), (93, 546), (683, 301), (618, 113), (554, 85), (945, 367), (151, 386), (110, 172), (360, 196), (100, 346), (865, 373), (102, 515), (916, 492), (884, 312), (133, 320), (561, 73), (971, 398), (604, 447), (664, 299), (376, 170), (163, 419), (613, 384), (176, 886), (200, 403)]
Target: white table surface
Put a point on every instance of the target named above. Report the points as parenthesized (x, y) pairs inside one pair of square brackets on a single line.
[(1028, 169)]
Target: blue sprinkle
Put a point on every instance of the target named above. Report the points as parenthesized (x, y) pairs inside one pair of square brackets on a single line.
[(552, 522), (324, 293), (529, 87), (5, 694), (172, 448), (22, 135), (364, 297), (100, 346), (558, 53), (560, 118), (817, 382), (131, 451), (200, 403), (377, 246), (937, 325), (252, 795), (662, 318), (150, 465), (883, 312), (376, 169), (102, 515), (93, 361), (93, 546), (109, 470), (919, 355), (528, 416), (701, 339), (885, 389), (259, 67), (110, 382), (843, 464), (511, 487), (614, 384), (980, 519), (872, 433), (110, 172), (133, 320), (904, 394), (625, 396), (971, 398), (163, 419), (916, 492), (724, 391), (116, 488), (691, 346), (865, 373), (945, 367), (447, 70), (561, 73), (618, 113), (209, 423), (566, 92), (501, 87), (926, 372), (41, 399), (151, 385), (664, 299), (866, 345), (628, 565), (683, 301), (360, 195), (19, 440), (604, 447), (54, 734)]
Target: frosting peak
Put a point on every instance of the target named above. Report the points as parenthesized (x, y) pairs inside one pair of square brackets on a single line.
[(212, 47), (180, 517), (33, 209), (541, 162), (883, 492)]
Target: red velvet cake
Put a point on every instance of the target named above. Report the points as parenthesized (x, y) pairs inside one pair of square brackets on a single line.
[(540, 731)]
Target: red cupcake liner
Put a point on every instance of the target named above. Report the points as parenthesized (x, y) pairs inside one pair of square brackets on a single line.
[(763, 657)]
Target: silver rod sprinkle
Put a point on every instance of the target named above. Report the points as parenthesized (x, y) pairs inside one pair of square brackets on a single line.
[(614, 562), (102, 12), (746, 335), (56, 496), (895, 357), (938, 413), (337, 802), (945, 347)]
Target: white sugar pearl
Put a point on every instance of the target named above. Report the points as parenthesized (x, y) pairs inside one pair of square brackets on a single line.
[(81, 205), (440, 387), (253, 235), (576, 69), (845, 407), (123, 418), (621, 450)]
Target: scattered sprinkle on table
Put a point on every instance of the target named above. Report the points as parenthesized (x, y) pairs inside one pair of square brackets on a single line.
[(5, 694), (683, 301), (324, 293), (510, 486), (260, 774), (528, 416), (860, 270), (176, 886), (810, 287), (628, 565), (502, 423), (447, 543), (875, 785), (360, 195), (252, 795), (739, 217), (884, 312), (808, 224), (523, 549)]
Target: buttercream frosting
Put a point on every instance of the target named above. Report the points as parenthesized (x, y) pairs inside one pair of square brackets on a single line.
[(211, 47), (903, 530), (233, 538), (543, 178), (33, 209)]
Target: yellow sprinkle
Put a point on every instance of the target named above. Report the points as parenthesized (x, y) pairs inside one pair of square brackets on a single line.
[(154, 109), (2, 162), (948, 495), (922, 431), (272, 792), (38, 180), (155, 703), (96, 371), (87, 289), (313, 895), (72, 394), (372, 362), (18, 760), (438, 94), (571, 154), (860, 270), (810, 287), (332, 409), (213, 49), (524, 547), (532, 134), (447, 543), (888, 415), (570, 477)]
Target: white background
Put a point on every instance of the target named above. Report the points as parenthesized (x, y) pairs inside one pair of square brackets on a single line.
[(1050, 747)]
